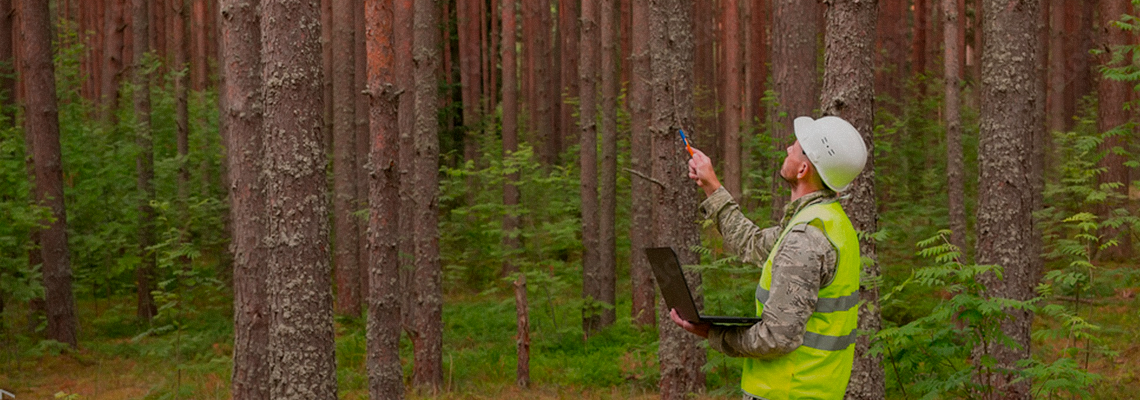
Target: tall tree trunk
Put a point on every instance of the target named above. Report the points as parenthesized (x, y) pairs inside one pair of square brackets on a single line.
[(588, 162), (242, 121), (795, 49), (848, 92), (428, 325), (346, 255), (158, 32), (385, 373), (671, 52), (1111, 114), (181, 88), (756, 75), (144, 165), (954, 159), (470, 80), (541, 59), (1056, 76), (705, 133), (1005, 204), (41, 122), (327, 70), (731, 99), (300, 290), (522, 338), (402, 32), (7, 63), (918, 41), (363, 144), (112, 58), (510, 130), (643, 310), (199, 53), (607, 240), (1079, 31), (890, 62), (569, 12)]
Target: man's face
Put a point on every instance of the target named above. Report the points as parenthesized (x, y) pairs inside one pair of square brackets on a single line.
[(793, 163)]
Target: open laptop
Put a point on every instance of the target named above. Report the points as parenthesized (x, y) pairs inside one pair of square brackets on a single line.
[(675, 290)]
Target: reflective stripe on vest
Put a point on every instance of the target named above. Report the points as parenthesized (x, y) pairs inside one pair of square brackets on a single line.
[(821, 367)]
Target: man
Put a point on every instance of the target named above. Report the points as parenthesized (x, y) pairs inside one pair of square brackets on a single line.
[(803, 346)]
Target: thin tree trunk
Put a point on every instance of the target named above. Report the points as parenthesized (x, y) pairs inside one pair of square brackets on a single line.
[(41, 122), (705, 133), (671, 50), (510, 130), (1056, 76), (470, 60), (731, 100), (756, 80), (641, 235), (402, 32), (541, 58), (918, 42), (346, 255), (588, 162), (795, 50), (607, 240), (385, 372), (1111, 114), (299, 290), (891, 34), (363, 145), (428, 321), (112, 58), (522, 339), (199, 52), (568, 30), (1005, 204), (242, 121), (848, 92), (954, 158), (1079, 31), (144, 166), (159, 38), (181, 89), (7, 63)]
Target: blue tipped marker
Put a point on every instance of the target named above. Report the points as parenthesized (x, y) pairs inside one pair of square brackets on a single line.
[(686, 140)]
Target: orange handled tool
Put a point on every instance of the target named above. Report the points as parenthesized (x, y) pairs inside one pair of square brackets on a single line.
[(686, 140)]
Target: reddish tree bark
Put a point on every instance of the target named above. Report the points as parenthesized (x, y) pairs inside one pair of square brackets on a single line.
[(242, 124), (794, 53), (112, 58), (198, 51), (7, 62), (522, 338), (706, 132), (542, 82), (144, 166), (385, 372), (1111, 114), (568, 30), (181, 90), (955, 168), (756, 72), (297, 242), (1056, 75), (921, 14), (41, 122), (588, 165), (470, 80), (510, 126), (428, 321), (731, 97), (363, 144), (402, 32), (607, 240), (346, 248), (891, 33), (643, 308)]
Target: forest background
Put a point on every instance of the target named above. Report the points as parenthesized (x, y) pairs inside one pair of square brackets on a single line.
[(204, 199)]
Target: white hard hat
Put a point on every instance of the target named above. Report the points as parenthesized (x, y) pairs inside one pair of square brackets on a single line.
[(834, 147)]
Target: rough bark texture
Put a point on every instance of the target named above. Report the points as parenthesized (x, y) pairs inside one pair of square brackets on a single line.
[(510, 129), (242, 121), (756, 69), (795, 35), (1056, 75), (522, 339), (428, 321), (1111, 113), (705, 133), (955, 167), (1005, 203), (1079, 40), (301, 348), (346, 248), (144, 163), (542, 111), (470, 59), (363, 145), (113, 26), (731, 97), (607, 240), (891, 34), (588, 163), (7, 62), (643, 310), (41, 122), (402, 32), (568, 30), (671, 50), (848, 92), (385, 373), (199, 54)]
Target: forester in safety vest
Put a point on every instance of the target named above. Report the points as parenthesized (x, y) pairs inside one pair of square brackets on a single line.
[(808, 295)]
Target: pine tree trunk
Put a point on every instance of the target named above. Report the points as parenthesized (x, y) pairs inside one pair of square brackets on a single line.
[(144, 166), (522, 339), (848, 92), (346, 255), (385, 372), (795, 49), (299, 289), (671, 50), (198, 52), (112, 58), (569, 12), (7, 63), (1005, 202), (607, 240), (1078, 31), (756, 77), (428, 321), (891, 33), (643, 310), (588, 163), (705, 134), (510, 129), (470, 60), (402, 32), (242, 121), (954, 158), (731, 98), (1055, 102), (41, 122), (541, 59), (363, 145), (181, 91), (1111, 114)]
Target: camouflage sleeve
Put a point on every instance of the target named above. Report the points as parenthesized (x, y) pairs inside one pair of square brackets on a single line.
[(741, 236), (805, 262)]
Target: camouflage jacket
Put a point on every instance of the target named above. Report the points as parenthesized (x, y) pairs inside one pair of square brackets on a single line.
[(805, 262)]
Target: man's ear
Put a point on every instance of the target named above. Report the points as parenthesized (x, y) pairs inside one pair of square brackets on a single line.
[(804, 170)]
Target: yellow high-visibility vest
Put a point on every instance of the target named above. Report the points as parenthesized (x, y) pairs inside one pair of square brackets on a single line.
[(821, 367)]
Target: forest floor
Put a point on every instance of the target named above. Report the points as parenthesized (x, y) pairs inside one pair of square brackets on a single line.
[(119, 360)]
